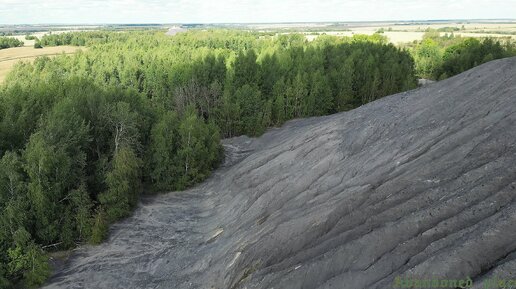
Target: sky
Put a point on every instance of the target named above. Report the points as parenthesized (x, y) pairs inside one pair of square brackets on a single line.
[(246, 11)]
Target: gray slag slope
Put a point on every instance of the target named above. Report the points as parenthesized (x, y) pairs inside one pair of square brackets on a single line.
[(419, 183)]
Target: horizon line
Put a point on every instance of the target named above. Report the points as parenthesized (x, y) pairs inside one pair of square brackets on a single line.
[(254, 23)]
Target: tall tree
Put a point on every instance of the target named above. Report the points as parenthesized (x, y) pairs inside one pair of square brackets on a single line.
[(123, 182), (164, 146), (199, 150)]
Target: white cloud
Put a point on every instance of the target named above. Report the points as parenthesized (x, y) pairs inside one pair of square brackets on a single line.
[(206, 11)]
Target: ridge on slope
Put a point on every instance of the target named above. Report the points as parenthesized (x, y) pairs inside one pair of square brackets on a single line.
[(418, 184)]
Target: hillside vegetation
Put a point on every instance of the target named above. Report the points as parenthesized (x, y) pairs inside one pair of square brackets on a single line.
[(439, 57), (81, 136)]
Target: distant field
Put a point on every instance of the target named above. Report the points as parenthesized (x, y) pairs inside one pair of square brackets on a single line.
[(9, 57), (38, 35), (408, 36), (393, 36), (397, 33)]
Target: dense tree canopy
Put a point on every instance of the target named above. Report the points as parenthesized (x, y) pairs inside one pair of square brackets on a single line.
[(441, 56), (468, 54), (208, 69)]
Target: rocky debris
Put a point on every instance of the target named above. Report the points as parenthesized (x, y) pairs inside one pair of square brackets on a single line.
[(175, 30), (424, 82), (419, 184)]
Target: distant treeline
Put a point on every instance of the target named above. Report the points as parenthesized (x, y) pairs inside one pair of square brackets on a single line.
[(8, 42), (82, 135), (77, 38), (439, 57)]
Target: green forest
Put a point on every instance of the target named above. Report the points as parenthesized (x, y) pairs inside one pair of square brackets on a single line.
[(83, 136), (438, 56)]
